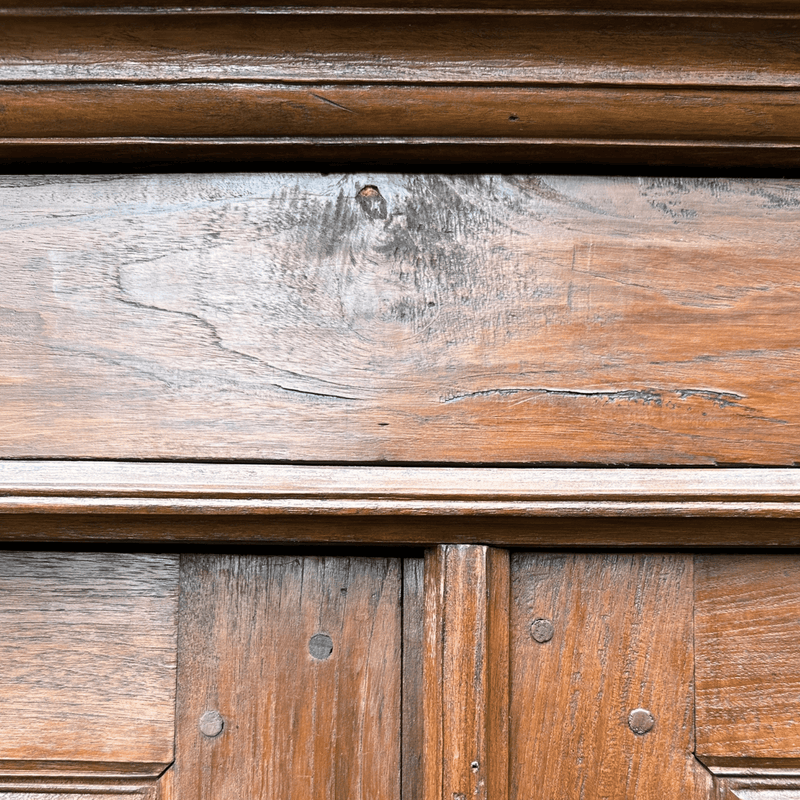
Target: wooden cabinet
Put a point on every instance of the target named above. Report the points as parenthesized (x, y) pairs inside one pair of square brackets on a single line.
[(474, 671), (323, 479)]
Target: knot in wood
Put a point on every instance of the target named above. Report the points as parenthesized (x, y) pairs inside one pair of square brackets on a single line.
[(372, 202)]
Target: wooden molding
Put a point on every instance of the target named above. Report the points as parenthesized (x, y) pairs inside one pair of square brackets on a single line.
[(708, 83), (74, 487), (756, 787)]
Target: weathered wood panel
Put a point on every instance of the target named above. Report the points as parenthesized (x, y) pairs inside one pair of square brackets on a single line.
[(88, 656), (562, 532), (289, 679), (429, 319), (747, 618), (593, 639), (297, 113), (270, 490)]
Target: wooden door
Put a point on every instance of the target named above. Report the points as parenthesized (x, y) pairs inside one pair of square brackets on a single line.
[(470, 672)]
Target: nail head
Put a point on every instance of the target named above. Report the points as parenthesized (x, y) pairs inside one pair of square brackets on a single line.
[(641, 721), (320, 645), (542, 630), (211, 724)]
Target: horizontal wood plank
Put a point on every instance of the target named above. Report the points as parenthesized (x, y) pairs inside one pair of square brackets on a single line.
[(142, 153), (88, 653), (59, 487), (206, 111), (390, 318), (674, 8)]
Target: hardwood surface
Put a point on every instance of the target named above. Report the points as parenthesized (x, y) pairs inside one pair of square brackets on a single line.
[(178, 490), (494, 49), (465, 751), (625, 83), (88, 656), (412, 727), (300, 716), (621, 640), (491, 319), (747, 623), (567, 532), (786, 9)]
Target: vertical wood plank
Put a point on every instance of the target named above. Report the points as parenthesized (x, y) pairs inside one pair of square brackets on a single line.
[(289, 679), (466, 673), (411, 743), (165, 788), (619, 639)]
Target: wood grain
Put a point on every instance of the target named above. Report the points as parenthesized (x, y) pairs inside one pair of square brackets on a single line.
[(412, 728), (447, 319), (97, 787), (622, 639), (756, 9), (401, 48), (786, 9), (466, 673), (285, 112), (295, 725), (569, 531), (88, 653), (754, 788), (648, 86), (747, 618)]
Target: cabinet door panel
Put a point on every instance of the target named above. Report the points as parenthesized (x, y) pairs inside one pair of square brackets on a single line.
[(289, 680), (595, 637), (88, 652), (747, 618)]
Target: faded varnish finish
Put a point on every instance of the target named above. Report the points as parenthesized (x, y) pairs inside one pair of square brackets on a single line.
[(437, 319), (300, 720), (465, 745), (622, 640), (88, 652), (747, 626)]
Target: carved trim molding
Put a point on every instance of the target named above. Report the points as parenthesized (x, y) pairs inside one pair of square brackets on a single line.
[(709, 83), (82, 487)]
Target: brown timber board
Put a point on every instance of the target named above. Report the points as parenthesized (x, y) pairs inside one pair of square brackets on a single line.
[(296, 112), (88, 655), (621, 640), (747, 624), (692, 8), (300, 659), (717, 86), (506, 319), (466, 673)]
